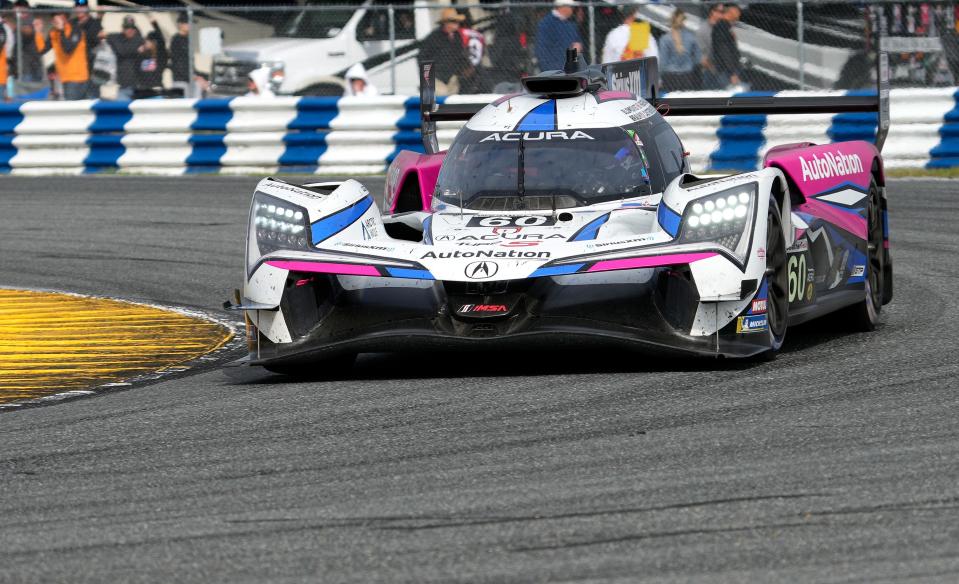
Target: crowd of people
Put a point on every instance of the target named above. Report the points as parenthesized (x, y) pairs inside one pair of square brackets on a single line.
[(85, 57), (707, 58)]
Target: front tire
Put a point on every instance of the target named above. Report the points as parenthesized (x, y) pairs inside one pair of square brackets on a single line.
[(777, 281)]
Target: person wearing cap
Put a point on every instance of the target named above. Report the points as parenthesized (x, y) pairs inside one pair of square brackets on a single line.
[(69, 48), (444, 47), (91, 29), (555, 33), (704, 36), (128, 46), (631, 40), (180, 53), (726, 54)]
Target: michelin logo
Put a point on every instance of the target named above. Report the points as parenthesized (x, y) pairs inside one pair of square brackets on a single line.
[(830, 165)]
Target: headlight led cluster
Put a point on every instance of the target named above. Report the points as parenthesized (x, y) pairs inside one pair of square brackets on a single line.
[(721, 217), (279, 224)]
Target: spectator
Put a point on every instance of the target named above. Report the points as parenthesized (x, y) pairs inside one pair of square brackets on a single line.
[(475, 44), (9, 34), (128, 47), (510, 49), (180, 54), (556, 33), (357, 82), (726, 55), (704, 36), (444, 47), (631, 40), (91, 29), (679, 56), (32, 47), (69, 56), (4, 54), (153, 61)]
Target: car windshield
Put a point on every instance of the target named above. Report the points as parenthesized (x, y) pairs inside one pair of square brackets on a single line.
[(315, 24), (500, 171)]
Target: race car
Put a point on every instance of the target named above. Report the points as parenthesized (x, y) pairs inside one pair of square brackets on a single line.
[(566, 216)]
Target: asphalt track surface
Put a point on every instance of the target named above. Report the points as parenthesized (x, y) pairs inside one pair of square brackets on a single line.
[(839, 462)]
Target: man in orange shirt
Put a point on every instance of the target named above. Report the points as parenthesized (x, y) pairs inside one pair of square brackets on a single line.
[(70, 57)]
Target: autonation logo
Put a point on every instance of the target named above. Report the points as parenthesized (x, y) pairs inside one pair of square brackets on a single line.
[(830, 165)]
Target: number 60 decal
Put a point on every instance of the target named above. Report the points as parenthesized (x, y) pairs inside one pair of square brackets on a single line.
[(797, 276), (522, 221)]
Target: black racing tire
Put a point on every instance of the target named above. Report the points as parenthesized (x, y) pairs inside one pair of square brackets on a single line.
[(332, 367), (864, 316), (777, 281)]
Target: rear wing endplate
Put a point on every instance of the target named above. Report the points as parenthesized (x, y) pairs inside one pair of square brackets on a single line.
[(641, 77)]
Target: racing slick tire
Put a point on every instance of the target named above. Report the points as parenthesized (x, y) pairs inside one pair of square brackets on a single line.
[(863, 316), (323, 369), (777, 281)]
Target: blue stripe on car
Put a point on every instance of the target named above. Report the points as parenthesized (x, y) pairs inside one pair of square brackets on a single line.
[(330, 225), (556, 270), (409, 273), (669, 220), (591, 229), (541, 117)]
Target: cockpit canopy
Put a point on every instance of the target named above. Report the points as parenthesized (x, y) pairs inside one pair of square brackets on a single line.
[(551, 169)]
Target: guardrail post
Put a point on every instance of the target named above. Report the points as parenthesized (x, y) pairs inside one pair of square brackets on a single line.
[(592, 33), (801, 44), (190, 73), (19, 52), (392, 50)]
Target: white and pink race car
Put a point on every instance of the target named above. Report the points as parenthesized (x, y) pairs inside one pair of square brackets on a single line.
[(566, 216)]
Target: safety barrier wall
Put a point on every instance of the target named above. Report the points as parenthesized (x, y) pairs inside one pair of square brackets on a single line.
[(360, 135)]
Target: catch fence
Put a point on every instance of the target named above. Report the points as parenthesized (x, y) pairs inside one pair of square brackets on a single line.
[(479, 47)]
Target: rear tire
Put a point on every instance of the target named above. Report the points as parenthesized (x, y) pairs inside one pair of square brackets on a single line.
[(322, 369), (863, 316), (777, 281)]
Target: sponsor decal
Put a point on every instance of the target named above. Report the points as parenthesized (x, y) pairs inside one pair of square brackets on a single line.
[(294, 189), (520, 222), (369, 228), (639, 111), (758, 306), (622, 241), (486, 253), (512, 236), (444, 237), (857, 271), (491, 309), (752, 324), (801, 244), (761, 253), (481, 270), (519, 243), (537, 136), (364, 246), (830, 165)]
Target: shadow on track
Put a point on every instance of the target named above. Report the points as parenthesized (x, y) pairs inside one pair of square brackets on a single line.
[(385, 366)]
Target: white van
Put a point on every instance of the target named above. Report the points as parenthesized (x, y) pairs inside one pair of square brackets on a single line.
[(312, 49)]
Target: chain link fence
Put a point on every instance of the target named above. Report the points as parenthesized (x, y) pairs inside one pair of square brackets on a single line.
[(372, 47)]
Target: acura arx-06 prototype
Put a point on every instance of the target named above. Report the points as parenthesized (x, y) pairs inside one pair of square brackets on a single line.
[(566, 216)]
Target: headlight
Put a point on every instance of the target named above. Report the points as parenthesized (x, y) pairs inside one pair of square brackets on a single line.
[(720, 217), (277, 75), (279, 224)]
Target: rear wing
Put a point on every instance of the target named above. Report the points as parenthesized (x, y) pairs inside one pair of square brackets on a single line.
[(641, 77)]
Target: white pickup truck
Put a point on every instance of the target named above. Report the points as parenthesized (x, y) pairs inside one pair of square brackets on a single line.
[(312, 49)]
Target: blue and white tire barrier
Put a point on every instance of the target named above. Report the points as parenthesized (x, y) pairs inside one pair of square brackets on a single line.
[(350, 135)]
